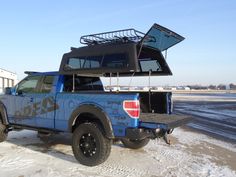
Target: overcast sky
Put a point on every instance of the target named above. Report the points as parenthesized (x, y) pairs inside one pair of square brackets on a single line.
[(35, 34)]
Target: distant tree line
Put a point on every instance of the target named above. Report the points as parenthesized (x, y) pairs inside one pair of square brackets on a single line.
[(213, 87), (232, 86)]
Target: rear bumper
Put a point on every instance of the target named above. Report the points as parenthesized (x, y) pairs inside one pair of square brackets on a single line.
[(140, 133)]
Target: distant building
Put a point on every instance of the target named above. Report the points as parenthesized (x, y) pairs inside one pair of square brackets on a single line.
[(112, 88), (187, 88), (197, 87), (145, 89), (159, 88), (7, 79)]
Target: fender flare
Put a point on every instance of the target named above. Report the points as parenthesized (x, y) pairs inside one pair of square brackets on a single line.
[(3, 114), (97, 112)]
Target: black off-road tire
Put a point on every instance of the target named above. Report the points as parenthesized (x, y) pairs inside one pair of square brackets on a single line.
[(3, 134), (135, 144), (89, 145)]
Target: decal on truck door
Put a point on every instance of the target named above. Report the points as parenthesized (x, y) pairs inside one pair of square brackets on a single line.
[(46, 105)]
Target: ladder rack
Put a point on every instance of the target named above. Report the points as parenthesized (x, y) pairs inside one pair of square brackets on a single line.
[(119, 36)]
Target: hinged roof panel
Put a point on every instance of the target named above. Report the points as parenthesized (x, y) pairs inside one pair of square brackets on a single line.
[(161, 38)]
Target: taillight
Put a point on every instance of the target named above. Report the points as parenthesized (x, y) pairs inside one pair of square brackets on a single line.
[(132, 108)]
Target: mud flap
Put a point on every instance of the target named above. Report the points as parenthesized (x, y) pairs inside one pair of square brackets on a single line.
[(166, 138)]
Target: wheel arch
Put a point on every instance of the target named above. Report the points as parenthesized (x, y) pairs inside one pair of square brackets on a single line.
[(3, 114), (93, 113)]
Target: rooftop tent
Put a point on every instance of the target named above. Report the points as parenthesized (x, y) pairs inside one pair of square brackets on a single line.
[(124, 52)]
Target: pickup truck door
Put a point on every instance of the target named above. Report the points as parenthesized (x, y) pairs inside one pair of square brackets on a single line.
[(22, 103), (33, 102), (44, 102)]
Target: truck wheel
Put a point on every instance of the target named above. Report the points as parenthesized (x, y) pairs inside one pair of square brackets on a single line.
[(135, 144), (89, 145), (3, 134)]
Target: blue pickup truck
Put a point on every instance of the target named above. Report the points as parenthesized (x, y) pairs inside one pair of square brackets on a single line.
[(73, 99)]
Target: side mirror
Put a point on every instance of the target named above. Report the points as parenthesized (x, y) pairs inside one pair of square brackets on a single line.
[(8, 91), (67, 67)]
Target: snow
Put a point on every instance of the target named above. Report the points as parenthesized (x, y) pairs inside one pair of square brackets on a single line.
[(23, 154), (212, 113)]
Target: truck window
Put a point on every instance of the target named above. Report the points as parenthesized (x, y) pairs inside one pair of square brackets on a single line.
[(118, 60), (115, 61), (152, 60), (148, 64), (47, 84), (28, 85), (84, 62), (82, 83)]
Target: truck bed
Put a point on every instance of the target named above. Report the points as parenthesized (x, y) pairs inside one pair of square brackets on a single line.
[(170, 121)]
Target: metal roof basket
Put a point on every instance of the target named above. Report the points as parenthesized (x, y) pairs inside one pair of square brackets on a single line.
[(123, 36)]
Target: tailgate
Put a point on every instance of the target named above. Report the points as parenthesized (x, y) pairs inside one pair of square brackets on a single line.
[(165, 121)]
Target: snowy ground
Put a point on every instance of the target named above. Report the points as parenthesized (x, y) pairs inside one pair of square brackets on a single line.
[(214, 114), (191, 154)]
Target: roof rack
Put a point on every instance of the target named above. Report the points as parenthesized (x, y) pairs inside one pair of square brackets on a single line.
[(122, 36)]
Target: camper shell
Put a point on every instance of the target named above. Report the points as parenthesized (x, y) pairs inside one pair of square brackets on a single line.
[(125, 53)]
